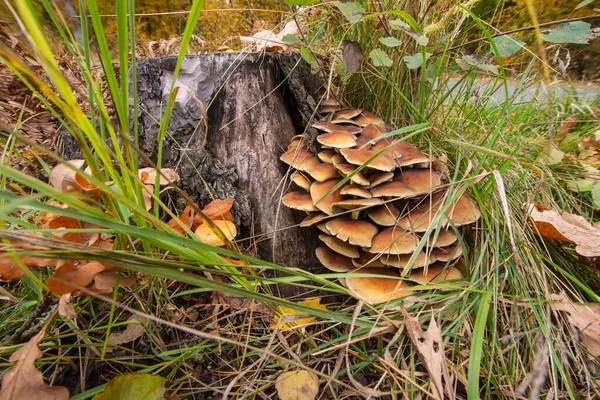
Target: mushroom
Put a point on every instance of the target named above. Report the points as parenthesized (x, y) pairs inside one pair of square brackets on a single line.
[(322, 199), (393, 240), (326, 156), (353, 204), (301, 180), (448, 253), (339, 246), (328, 127), (393, 189), (299, 159), (333, 261), (436, 273), (423, 259), (299, 201), (385, 215), (420, 179), (346, 114), (353, 231), (313, 219), (367, 118), (347, 169), (378, 177), (367, 259), (384, 287), (337, 139), (356, 190), (445, 237), (379, 162), (322, 172)]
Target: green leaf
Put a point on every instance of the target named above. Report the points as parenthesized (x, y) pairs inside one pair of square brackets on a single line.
[(353, 11), (508, 45), (341, 69), (300, 2), (580, 185), (596, 194), (550, 155), (577, 32), (292, 39), (308, 56), (583, 4), (421, 38), (133, 387), (390, 41), (416, 61), (379, 58), (399, 24), (467, 62)]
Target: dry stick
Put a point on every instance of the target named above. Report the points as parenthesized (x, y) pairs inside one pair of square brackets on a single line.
[(525, 28), (20, 334)]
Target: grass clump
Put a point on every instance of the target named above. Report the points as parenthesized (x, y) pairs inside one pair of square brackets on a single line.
[(501, 336)]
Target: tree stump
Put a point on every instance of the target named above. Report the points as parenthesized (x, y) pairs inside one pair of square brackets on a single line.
[(253, 104)]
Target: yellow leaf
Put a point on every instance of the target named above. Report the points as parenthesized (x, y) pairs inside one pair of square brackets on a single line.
[(297, 385), (289, 318)]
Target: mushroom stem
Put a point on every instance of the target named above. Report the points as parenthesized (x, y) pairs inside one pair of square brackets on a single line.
[(355, 214)]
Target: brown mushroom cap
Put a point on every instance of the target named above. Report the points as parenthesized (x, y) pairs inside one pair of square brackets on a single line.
[(444, 238), (393, 240), (346, 169), (383, 288), (407, 154), (340, 246), (328, 109), (448, 253), (420, 179), (356, 232), (393, 189), (385, 215), (299, 159), (367, 118), (328, 127), (371, 132), (333, 261), (401, 260), (378, 177), (355, 204), (337, 139), (326, 156), (207, 236), (323, 227), (437, 273), (356, 190), (322, 172), (330, 101), (360, 157), (313, 219), (299, 201), (319, 191), (301, 180), (347, 113), (367, 259), (462, 212)]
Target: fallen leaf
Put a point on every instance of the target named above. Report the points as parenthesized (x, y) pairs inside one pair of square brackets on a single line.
[(585, 318), (105, 281), (297, 385), (352, 55), (550, 155), (9, 269), (269, 40), (135, 329), (430, 347), (133, 387), (62, 177), (65, 306), (290, 318), (218, 209), (68, 275), (167, 175), (59, 222), (24, 381), (567, 227)]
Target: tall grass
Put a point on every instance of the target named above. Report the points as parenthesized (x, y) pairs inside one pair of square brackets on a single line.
[(497, 326)]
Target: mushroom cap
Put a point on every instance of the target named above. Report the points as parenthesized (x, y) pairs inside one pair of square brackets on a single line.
[(322, 172), (371, 132), (437, 273), (367, 259), (359, 157), (301, 180), (296, 143), (353, 231), (318, 193), (383, 288), (367, 118), (385, 215), (407, 154), (393, 189), (299, 201), (401, 260), (207, 236), (337, 158), (340, 246), (353, 204), (313, 218), (333, 261), (420, 179), (322, 225), (299, 159), (328, 109), (378, 177), (462, 212), (445, 237), (347, 113), (337, 139), (448, 253), (328, 127), (393, 240), (346, 169), (330, 101), (326, 156), (356, 190)]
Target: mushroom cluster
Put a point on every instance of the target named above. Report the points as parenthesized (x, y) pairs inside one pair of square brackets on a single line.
[(375, 222)]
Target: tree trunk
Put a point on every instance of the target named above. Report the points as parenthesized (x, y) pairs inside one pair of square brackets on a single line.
[(253, 104)]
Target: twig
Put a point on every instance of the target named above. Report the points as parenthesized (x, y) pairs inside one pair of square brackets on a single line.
[(20, 333)]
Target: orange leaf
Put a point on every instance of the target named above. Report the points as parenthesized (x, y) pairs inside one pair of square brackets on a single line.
[(217, 209), (68, 274), (9, 269), (64, 222), (105, 281), (24, 381)]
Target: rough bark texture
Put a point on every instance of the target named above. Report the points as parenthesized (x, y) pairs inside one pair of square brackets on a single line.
[(254, 104)]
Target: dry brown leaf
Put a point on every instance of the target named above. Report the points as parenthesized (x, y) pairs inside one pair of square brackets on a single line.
[(63, 178), (297, 385), (63, 222), (585, 318), (65, 306), (352, 55), (134, 330), (68, 278), (167, 175), (567, 227), (9, 269), (430, 347), (24, 381), (105, 281)]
